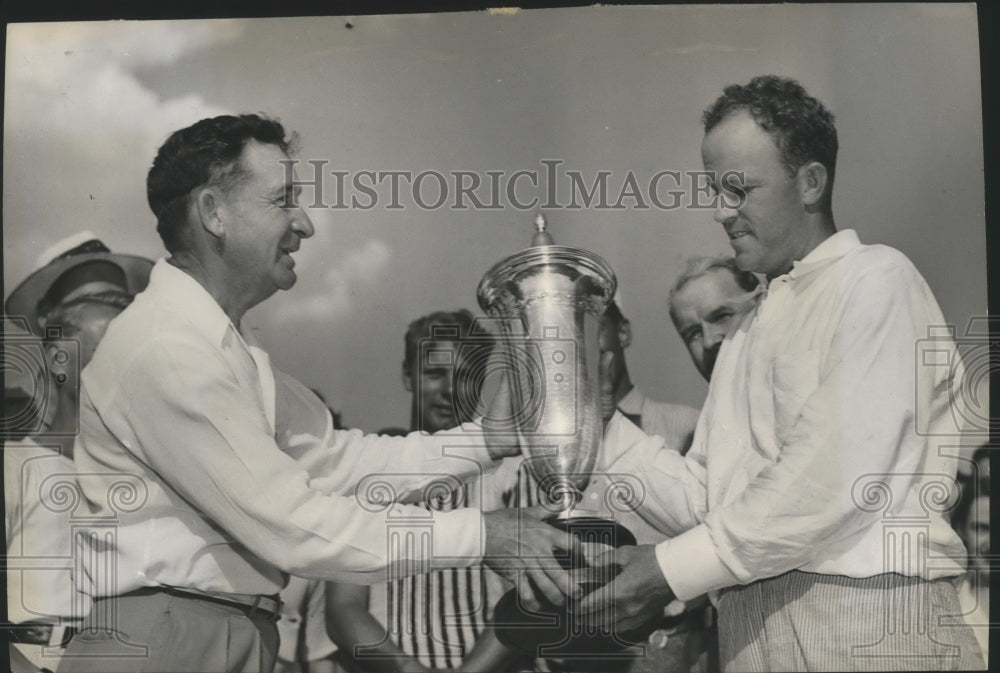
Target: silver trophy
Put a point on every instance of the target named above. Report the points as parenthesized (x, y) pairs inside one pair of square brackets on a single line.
[(549, 301)]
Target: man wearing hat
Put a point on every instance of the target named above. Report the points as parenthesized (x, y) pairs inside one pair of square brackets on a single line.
[(77, 265), (240, 478), (78, 287)]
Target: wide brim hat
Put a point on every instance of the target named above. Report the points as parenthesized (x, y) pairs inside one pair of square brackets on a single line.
[(74, 251)]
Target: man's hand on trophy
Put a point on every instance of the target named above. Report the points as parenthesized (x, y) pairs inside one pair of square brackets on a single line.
[(636, 595), (523, 548)]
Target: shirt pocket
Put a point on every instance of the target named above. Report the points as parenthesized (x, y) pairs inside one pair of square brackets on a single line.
[(795, 377)]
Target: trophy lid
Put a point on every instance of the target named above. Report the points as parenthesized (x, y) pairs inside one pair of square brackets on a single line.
[(595, 280)]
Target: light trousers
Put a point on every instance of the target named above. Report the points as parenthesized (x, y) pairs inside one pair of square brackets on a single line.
[(163, 633), (802, 621)]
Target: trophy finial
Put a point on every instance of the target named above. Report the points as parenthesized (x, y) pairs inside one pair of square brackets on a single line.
[(541, 237)]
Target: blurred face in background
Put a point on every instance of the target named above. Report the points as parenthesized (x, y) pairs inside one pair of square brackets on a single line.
[(431, 380), (976, 533), (704, 310), (614, 336)]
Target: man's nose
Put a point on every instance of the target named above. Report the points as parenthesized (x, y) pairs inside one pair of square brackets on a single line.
[(724, 210), (302, 223), (714, 334)]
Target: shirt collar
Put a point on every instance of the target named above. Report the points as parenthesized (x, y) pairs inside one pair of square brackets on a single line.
[(190, 299), (831, 249), (632, 402)]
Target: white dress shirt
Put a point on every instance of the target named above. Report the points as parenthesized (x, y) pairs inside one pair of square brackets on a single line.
[(822, 445), (221, 474), (39, 492), (674, 422)]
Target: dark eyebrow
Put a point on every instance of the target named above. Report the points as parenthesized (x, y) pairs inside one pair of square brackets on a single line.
[(282, 191)]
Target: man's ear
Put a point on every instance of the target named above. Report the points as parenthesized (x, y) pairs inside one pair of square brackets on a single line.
[(211, 211), (812, 181), (407, 378), (625, 334)]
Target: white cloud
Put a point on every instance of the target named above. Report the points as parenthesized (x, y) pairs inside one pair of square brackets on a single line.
[(353, 276), (78, 81), (81, 127)]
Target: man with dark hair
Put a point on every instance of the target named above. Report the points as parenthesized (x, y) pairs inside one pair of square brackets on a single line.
[(707, 300), (438, 394), (207, 153), (799, 125), (242, 477), (811, 406)]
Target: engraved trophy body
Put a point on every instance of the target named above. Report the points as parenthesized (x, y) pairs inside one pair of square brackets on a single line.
[(550, 302)]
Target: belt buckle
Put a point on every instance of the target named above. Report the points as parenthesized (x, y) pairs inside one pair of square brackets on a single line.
[(31, 633), (254, 606)]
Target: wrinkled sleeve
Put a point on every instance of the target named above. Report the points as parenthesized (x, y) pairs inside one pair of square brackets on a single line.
[(183, 413), (350, 462), (859, 420), (673, 496)]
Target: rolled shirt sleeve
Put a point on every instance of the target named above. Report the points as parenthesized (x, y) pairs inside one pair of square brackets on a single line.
[(674, 494)]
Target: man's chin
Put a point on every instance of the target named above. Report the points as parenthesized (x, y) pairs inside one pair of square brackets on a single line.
[(442, 421), (287, 280), (745, 259)]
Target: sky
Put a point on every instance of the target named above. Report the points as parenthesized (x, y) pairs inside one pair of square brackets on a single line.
[(588, 91)]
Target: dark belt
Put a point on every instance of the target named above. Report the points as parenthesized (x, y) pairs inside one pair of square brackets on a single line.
[(253, 604), (38, 633)]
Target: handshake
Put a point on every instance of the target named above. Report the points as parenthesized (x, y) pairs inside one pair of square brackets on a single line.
[(594, 588)]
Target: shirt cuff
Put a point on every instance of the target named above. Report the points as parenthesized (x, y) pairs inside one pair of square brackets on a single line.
[(459, 538), (691, 566)]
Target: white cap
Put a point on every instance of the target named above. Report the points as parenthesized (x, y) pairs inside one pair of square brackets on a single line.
[(63, 246)]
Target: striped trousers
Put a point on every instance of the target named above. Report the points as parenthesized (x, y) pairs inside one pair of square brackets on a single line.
[(802, 621)]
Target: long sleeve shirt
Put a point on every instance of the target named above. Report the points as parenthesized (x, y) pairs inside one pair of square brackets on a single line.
[(674, 422), (219, 473), (823, 443), (39, 492)]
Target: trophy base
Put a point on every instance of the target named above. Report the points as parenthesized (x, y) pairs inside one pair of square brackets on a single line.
[(550, 631)]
